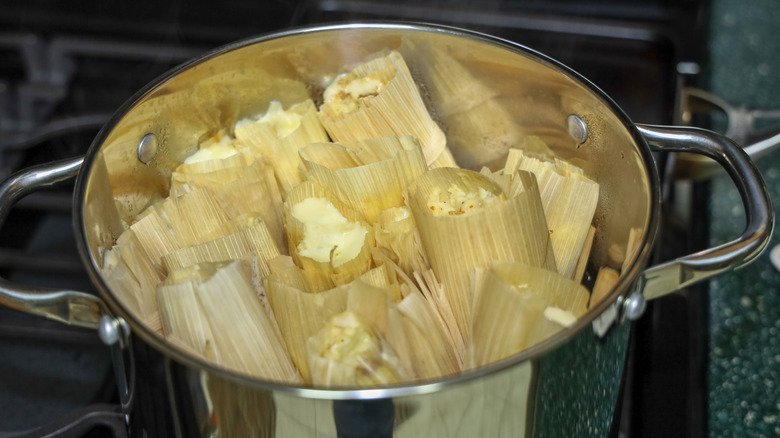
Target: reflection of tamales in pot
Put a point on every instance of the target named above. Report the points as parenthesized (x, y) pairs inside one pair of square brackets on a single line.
[(377, 99), (466, 221)]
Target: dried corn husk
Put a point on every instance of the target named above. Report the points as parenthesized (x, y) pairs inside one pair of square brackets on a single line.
[(131, 272), (606, 279), (397, 237), (433, 353), (155, 236), (282, 150), (301, 314), (582, 263), (254, 240), (368, 188), (396, 109), (195, 217), (244, 336), (508, 229), (569, 199), (256, 193), (512, 305), (342, 273), (183, 317)]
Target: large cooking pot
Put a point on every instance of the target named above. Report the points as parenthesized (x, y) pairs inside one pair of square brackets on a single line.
[(565, 386)]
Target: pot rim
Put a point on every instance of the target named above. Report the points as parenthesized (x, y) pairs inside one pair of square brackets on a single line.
[(624, 286)]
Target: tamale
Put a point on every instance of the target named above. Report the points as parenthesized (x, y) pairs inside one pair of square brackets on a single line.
[(244, 336), (254, 240), (515, 299), (569, 199), (347, 352), (279, 134), (301, 314), (377, 99), (325, 235), (368, 188), (465, 221)]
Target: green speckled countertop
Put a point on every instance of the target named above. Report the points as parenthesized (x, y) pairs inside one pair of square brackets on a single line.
[(744, 356)]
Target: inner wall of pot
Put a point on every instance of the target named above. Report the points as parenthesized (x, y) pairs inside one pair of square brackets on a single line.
[(212, 94)]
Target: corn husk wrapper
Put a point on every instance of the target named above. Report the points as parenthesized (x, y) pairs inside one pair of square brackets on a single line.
[(282, 150), (244, 336), (296, 277), (606, 279), (433, 354), (239, 157), (398, 109), (183, 318), (369, 187), (397, 237), (155, 236), (301, 314), (256, 193), (510, 230), (582, 263), (195, 217), (345, 272), (254, 240), (133, 276), (569, 199), (512, 305)]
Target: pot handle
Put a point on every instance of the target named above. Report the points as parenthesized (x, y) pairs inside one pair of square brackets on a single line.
[(71, 307), (668, 277)]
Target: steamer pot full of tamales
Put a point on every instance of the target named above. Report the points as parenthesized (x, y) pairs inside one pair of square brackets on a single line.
[(376, 229)]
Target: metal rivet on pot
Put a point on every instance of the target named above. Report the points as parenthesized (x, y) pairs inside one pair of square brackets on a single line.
[(147, 148), (578, 130), (634, 306), (108, 330)]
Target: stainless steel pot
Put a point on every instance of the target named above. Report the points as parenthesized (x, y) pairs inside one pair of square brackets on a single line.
[(566, 386)]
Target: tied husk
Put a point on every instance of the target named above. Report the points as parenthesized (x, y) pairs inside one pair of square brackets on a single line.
[(282, 151), (368, 187), (569, 199), (511, 229), (397, 109), (245, 338), (510, 312), (345, 272)]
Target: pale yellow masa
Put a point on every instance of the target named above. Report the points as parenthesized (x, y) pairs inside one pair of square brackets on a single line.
[(326, 231)]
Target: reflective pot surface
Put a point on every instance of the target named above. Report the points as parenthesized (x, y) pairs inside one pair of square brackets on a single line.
[(565, 386)]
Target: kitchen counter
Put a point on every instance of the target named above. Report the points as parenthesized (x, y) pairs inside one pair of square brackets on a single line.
[(744, 350)]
